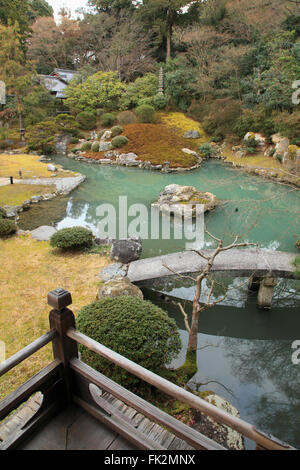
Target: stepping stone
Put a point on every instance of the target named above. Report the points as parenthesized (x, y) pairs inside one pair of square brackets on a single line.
[(43, 233)]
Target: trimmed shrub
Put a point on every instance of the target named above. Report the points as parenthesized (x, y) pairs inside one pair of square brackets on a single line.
[(86, 146), (74, 140), (135, 328), (101, 133), (126, 117), (251, 145), (107, 119), (206, 150), (145, 113), (297, 244), (86, 120), (95, 147), (119, 141), (72, 238), (116, 130), (7, 227), (2, 213)]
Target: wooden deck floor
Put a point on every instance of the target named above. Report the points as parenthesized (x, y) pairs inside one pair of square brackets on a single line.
[(74, 429)]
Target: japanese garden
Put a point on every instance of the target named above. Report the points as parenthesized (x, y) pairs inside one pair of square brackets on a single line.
[(150, 182)]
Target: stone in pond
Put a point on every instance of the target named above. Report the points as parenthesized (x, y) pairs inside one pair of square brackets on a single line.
[(52, 167), (43, 233), (174, 198), (126, 250)]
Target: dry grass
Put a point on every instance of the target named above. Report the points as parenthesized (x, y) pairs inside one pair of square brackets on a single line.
[(181, 123), (258, 160), (29, 270), (16, 194), (10, 165)]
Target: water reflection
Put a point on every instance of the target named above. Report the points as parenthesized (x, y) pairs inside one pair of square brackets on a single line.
[(244, 355), (260, 211)]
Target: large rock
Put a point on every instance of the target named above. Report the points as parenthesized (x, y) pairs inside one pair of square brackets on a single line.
[(191, 135), (105, 136), (126, 250), (184, 196), (282, 147), (220, 433), (61, 144), (104, 146), (51, 167), (119, 286), (260, 139), (128, 159), (190, 152), (43, 233)]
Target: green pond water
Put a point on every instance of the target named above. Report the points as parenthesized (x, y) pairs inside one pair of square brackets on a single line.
[(247, 354), (259, 211)]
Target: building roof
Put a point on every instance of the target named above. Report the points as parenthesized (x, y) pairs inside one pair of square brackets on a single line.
[(57, 82)]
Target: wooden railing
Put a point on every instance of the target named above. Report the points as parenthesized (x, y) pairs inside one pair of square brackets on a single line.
[(67, 380)]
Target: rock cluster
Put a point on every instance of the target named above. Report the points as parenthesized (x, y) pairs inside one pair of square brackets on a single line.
[(174, 197)]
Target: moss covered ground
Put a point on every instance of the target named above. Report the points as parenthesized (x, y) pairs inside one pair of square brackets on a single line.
[(10, 165), (16, 194)]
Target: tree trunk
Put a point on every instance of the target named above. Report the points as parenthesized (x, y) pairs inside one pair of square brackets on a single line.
[(169, 33)]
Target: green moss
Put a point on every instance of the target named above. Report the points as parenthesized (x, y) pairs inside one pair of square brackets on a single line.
[(189, 368), (296, 263)]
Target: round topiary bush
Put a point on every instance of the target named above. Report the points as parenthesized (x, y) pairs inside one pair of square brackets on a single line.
[(107, 119), (74, 140), (86, 120), (126, 117), (7, 227), (145, 113), (135, 328), (72, 238), (119, 141), (95, 147), (86, 146), (116, 130)]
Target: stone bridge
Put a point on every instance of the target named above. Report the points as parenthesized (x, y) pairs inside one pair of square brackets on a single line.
[(236, 262), (263, 267)]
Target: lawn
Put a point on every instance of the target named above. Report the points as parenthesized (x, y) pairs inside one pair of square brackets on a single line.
[(30, 269), (16, 194), (10, 165)]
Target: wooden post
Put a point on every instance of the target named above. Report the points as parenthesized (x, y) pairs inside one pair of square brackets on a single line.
[(64, 348)]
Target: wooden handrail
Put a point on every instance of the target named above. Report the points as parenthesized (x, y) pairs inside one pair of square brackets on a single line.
[(248, 430), (26, 352), (181, 430)]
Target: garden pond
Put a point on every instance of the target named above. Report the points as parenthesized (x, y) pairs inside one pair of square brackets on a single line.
[(245, 354)]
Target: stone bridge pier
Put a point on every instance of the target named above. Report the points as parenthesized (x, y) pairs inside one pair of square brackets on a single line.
[(264, 286)]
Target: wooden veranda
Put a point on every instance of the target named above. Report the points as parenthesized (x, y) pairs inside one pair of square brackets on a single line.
[(76, 407)]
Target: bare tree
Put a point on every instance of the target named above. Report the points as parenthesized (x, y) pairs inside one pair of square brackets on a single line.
[(190, 365)]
